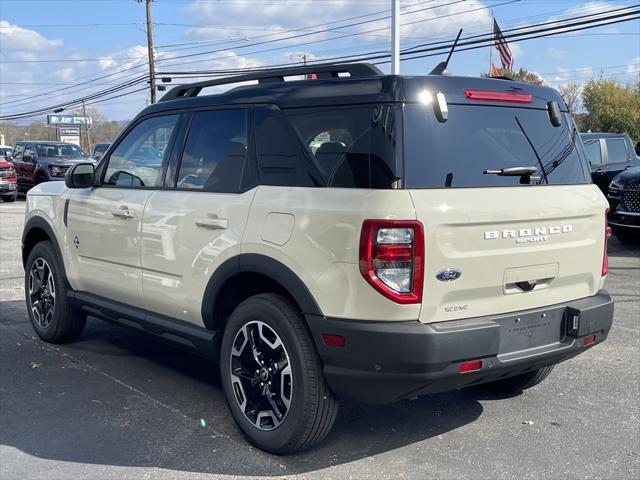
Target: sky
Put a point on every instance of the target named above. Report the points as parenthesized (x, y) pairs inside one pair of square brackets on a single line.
[(52, 51)]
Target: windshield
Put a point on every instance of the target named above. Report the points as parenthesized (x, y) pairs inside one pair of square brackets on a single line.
[(66, 150), (101, 148), (477, 139)]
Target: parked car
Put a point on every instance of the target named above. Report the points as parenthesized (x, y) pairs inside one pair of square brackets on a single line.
[(624, 201), (608, 154), (5, 152), (445, 233), (99, 150), (8, 180), (40, 161)]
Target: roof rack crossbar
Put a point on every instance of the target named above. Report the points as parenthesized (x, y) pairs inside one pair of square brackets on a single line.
[(275, 75)]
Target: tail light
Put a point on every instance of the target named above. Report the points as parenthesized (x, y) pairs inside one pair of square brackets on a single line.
[(392, 258), (607, 236)]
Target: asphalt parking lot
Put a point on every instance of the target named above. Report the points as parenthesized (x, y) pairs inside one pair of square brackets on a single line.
[(117, 404)]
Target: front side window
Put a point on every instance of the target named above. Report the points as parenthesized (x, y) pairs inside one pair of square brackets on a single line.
[(616, 150), (215, 154), (592, 150), (137, 160)]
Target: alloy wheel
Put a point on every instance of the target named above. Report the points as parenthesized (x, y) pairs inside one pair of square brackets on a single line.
[(261, 375), (42, 292)]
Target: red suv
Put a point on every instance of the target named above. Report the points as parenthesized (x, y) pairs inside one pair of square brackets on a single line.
[(8, 181)]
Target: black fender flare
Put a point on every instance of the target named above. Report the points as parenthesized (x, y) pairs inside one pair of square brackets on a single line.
[(40, 223), (256, 263)]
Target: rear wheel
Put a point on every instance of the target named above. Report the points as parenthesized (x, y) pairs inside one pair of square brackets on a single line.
[(626, 235), (52, 316), (272, 377), (521, 382)]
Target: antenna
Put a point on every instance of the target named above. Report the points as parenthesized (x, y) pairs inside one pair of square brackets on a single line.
[(442, 66)]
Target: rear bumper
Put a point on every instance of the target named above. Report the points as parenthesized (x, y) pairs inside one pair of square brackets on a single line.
[(386, 361)]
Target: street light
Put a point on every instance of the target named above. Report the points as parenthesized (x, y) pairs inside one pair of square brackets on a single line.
[(58, 110)]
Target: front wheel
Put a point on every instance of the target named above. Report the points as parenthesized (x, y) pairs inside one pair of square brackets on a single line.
[(272, 377), (53, 318), (9, 198)]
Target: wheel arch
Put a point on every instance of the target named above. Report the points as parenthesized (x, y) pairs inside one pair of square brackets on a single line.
[(36, 230), (250, 274)]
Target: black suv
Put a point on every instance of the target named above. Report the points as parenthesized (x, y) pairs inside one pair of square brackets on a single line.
[(624, 198), (40, 161), (608, 154)]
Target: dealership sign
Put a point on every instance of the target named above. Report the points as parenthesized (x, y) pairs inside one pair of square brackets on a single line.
[(68, 120)]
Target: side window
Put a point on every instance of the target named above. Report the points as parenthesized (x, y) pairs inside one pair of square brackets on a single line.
[(616, 151), (281, 159), (215, 154), (354, 147), (592, 150), (137, 160)]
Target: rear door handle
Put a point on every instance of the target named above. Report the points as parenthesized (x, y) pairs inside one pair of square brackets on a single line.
[(123, 212), (211, 223)]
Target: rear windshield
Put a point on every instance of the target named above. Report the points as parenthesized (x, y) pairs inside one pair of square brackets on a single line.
[(474, 139)]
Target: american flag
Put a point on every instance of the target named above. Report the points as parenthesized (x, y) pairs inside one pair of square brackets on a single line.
[(502, 46)]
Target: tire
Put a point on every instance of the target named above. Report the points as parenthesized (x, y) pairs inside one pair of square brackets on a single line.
[(520, 382), (52, 316), (626, 236), (279, 333), (10, 198)]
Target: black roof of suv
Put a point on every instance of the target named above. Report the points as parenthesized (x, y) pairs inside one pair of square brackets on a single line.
[(364, 84)]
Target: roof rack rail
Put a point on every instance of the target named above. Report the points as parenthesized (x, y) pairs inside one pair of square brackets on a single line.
[(275, 75)]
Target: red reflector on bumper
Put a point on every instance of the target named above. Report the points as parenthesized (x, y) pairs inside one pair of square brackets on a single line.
[(470, 366), (331, 340), (590, 340)]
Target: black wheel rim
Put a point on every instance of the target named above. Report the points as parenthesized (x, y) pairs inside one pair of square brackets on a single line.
[(42, 292), (261, 377)]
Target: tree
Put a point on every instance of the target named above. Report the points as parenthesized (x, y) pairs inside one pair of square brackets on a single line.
[(612, 106), (571, 94), (522, 75)]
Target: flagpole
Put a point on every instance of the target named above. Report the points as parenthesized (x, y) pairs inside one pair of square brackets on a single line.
[(491, 44)]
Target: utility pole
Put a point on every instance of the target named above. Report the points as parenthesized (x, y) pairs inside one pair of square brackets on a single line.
[(86, 128), (395, 37), (152, 70)]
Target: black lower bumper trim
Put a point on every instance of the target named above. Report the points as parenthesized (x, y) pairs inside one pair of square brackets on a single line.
[(386, 361)]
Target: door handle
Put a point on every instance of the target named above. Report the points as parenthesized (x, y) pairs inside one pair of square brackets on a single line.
[(123, 212), (600, 170), (211, 223)]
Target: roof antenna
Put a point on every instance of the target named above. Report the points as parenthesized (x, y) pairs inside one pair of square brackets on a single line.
[(442, 66)]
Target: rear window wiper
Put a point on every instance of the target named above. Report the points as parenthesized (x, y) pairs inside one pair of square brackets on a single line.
[(513, 171)]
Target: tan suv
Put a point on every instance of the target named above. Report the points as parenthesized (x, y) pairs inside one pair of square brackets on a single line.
[(361, 235)]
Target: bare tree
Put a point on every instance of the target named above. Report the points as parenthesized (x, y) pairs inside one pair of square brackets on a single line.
[(571, 93)]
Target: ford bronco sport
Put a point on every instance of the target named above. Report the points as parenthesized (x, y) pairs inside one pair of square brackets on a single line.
[(368, 236)]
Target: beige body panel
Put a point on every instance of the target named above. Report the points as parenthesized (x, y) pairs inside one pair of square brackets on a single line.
[(565, 265), (185, 237), (161, 259), (106, 260), (323, 248)]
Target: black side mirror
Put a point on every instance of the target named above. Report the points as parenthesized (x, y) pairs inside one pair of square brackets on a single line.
[(80, 175)]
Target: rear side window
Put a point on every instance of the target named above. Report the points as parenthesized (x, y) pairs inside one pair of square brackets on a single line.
[(616, 150), (474, 139), (353, 147), (282, 160), (592, 150), (215, 154)]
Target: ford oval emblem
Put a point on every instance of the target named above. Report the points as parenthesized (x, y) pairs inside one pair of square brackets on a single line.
[(448, 274)]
